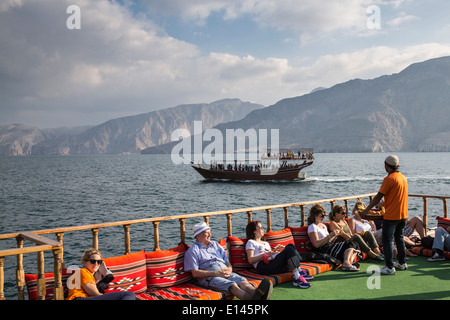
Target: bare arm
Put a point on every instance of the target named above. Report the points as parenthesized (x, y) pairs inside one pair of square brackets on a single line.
[(372, 204), (91, 289)]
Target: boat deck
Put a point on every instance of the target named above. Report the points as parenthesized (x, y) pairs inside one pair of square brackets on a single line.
[(423, 280)]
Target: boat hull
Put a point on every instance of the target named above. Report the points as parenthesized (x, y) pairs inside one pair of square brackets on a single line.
[(280, 175)]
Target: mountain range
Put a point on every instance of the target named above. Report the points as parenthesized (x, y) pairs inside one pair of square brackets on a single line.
[(406, 111), (123, 135)]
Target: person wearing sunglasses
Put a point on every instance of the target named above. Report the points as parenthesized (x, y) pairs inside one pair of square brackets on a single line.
[(84, 285), (325, 242)]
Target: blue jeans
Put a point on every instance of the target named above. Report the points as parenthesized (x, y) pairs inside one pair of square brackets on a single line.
[(393, 229)]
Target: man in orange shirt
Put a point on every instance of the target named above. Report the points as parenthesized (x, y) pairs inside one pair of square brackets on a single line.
[(394, 189)]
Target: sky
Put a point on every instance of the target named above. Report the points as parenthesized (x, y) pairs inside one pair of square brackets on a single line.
[(84, 62)]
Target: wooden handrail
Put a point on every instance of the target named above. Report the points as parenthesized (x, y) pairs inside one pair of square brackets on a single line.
[(44, 244)]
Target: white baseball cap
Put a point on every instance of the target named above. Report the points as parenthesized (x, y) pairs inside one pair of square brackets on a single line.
[(392, 161)]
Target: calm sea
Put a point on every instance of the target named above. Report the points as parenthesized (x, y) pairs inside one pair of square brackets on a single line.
[(57, 191)]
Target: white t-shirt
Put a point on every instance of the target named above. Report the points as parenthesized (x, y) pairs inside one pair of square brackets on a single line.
[(258, 248), (362, 226), (321, 230)]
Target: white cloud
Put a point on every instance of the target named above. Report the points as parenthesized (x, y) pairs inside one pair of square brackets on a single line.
[(300, 15), (119, 64), (401, 19)]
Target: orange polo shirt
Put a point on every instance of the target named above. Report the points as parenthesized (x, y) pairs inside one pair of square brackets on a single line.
[(395, 190)]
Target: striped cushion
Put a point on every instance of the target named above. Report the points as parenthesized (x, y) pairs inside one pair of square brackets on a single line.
[(315, 268), (238, 255), (166, 268), (276, 279), (422, 251), (279, 239), (301, 239), (129, 272), (443, 222), (31, 281), (185, 291)]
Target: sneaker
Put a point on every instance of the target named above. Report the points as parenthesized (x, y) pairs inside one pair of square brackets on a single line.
[(306, 276), (301, 283), (386, 270), (437, 257), (401, 267)]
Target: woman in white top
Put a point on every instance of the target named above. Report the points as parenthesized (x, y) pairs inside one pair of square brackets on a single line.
[(358, 230), (268, 262), (358, 224), (324, 241)]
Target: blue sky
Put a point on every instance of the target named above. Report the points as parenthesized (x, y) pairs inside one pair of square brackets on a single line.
[(131, 57)]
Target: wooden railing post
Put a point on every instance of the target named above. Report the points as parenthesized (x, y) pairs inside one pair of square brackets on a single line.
[(286, 217), (302, 215), (95, 238), (59, 238), (229, 226), (183, 230), (269, 220), (41, 276), (2, 278), (156, 235), (445, 207), (20, 273), (425, 212), (58, 290), (127, 238), (249, 216)]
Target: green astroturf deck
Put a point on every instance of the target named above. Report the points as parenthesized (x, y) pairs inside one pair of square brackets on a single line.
[(423, 280)]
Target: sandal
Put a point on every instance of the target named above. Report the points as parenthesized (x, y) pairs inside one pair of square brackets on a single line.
[(352, 268)]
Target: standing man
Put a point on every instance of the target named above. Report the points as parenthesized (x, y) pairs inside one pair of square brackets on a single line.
[(394, 189)]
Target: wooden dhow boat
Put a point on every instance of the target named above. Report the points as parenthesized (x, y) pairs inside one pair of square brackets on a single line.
[(283, 166)]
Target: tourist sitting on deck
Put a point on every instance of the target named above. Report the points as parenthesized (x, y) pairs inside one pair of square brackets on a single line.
[(324, 241), (209, 264), (268, 262), (352, 231), (85, 287), (441, 242)]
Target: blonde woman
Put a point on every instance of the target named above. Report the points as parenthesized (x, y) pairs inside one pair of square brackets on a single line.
[(85, 287)]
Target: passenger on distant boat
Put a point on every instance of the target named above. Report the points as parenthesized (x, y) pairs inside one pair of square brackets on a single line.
[(366, 241), (324, 241), (269, 262), (209, 264)]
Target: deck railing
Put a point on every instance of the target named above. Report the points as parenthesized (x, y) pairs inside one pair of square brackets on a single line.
[(43, 244)]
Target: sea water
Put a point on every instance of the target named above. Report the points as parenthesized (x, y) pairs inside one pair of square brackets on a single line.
[(42, 192)]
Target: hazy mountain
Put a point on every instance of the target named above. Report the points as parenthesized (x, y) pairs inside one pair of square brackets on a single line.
[(123, 135), (408, 111)]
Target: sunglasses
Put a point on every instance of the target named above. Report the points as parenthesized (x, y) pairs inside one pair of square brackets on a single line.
[(93, 261)]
